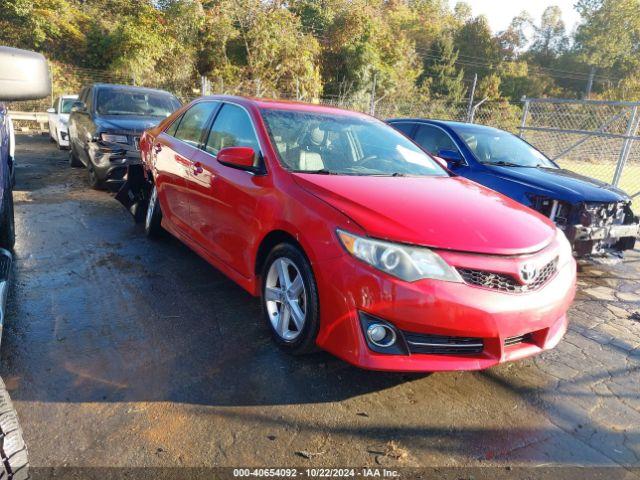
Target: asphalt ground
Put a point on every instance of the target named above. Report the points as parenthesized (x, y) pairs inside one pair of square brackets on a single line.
[(121, 351)]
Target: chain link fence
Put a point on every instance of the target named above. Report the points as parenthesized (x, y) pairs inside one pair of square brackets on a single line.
[(598, 139)]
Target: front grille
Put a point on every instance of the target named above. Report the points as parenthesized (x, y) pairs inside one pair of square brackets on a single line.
[(526, 338), (505, 282), (442, 345)]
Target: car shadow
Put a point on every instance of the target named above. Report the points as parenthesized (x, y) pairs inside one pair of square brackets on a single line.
[(164, 326)]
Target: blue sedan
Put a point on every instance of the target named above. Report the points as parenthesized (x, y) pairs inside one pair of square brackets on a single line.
[(595, 216)]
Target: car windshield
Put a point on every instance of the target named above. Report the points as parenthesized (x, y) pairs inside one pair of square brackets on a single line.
[(122, 101), (344, 145), (495, 147), (66, 104)]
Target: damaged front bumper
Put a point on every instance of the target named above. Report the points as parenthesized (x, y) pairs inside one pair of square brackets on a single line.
[(604, 229), (611, 232), (593, 228), (134, 192), (111, 162)]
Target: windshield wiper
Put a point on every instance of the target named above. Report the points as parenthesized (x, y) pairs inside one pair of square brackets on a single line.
[(504, 164), (322, 171)]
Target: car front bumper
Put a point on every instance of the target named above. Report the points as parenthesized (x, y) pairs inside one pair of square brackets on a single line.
[(348, 288), (595, 240), (111, 162)]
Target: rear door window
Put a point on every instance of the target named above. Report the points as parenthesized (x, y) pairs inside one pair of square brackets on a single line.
[(404, 127), (433, 139), (194, 122)]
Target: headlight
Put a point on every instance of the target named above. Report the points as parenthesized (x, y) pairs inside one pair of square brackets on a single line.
[(108, 137), (402, 261)]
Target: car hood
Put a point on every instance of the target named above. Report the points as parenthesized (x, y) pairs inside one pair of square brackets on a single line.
[(439, 212), (561, 184), (127, 123)]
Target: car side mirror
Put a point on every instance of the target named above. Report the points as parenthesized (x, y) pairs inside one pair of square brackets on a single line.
[(451, 156), (24, 75), (78, 107), (51, 110), (242, 158)]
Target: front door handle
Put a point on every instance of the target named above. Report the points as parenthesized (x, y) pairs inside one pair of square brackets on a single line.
[(158, 147), (197, 168)]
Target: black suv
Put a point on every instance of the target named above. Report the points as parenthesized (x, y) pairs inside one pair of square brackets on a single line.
[(105, 127)]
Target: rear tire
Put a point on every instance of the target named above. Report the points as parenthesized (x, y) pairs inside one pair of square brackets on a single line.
[(74, 161), (7, 223), (282, 306), (153, 218), (13, 451)]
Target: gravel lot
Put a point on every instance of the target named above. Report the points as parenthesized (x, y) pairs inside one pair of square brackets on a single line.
[(120, 351)]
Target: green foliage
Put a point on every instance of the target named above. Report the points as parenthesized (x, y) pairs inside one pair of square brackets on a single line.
[(610, 33), (414, 51), (440, 73)]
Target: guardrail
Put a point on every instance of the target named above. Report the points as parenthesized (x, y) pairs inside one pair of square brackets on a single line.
[(41, 118)]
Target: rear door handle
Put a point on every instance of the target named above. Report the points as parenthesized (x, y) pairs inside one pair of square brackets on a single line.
[(197, 168), (158, 147)]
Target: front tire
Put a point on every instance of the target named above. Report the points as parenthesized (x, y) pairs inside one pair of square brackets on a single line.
[(14, 462), (153, 217), (290, 301), (94, 180)]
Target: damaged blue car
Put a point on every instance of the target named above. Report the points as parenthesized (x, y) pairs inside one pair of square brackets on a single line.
[(595, 216)]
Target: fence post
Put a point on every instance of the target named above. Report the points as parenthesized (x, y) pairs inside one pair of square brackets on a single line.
[(632, 128), (475, 107), (525, 113), (471, 96), (372, 105)]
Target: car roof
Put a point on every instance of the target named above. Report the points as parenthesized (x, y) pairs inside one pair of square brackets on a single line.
[(129, 87), (268, 104), (452, 125)]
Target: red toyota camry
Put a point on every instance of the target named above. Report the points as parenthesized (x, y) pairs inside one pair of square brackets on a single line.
[(356, 240)]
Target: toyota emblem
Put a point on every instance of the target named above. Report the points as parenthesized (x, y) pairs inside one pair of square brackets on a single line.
[(528, 273)]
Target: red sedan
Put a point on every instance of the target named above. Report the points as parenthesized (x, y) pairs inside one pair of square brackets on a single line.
[(356, 240)]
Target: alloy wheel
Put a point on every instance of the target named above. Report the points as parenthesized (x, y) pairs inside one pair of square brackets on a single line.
[(285, 298)]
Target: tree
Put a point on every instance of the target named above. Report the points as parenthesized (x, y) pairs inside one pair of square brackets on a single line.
[(549, 38), (609, 34), (514, 39), (443, 78), (476, 44)]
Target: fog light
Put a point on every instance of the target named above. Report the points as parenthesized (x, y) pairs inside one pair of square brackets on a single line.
[(381, 335)]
